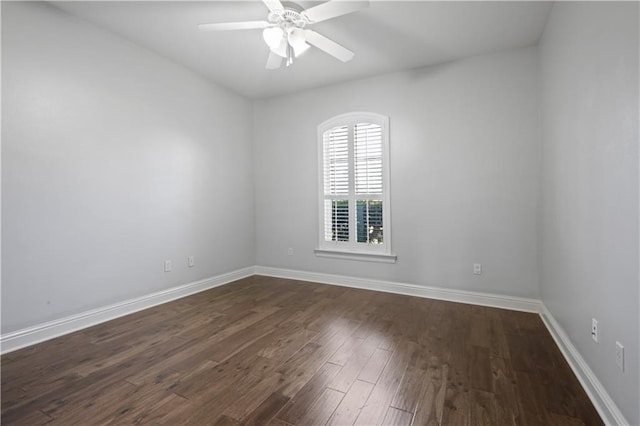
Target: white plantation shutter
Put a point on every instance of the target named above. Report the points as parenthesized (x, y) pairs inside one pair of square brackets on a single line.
[(336, 183), (336, 222), (354, 185), (368, 182), (368, 161), (336, 161)]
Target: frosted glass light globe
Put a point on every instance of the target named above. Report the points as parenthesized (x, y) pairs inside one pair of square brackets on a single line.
[(273, 36), (297, 40)]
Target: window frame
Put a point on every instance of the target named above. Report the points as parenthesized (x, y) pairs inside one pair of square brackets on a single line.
[(352, 249)]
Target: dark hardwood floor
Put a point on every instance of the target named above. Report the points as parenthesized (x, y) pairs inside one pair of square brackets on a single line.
[(282, 352)]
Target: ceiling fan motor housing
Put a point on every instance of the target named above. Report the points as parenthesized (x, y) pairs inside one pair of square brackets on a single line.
[(288, 17)]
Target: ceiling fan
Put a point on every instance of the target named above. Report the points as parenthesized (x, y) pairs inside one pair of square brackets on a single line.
[(285, 33)]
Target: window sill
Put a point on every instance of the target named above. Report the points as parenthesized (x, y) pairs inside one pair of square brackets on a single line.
[(354, 255)]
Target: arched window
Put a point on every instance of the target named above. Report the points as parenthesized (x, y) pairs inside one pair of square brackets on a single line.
[(353, 181)]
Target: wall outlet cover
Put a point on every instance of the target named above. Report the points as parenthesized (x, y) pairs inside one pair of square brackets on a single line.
[(620, 356), (477, 268)]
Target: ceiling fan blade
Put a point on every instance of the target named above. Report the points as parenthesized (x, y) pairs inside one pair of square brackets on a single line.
[(274, 61), (273, 5), (328, 46), (226, 26), (332, 9)]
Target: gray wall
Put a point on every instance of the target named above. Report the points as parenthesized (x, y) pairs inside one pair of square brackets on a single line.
[(589, 215), (113, 160), (464, 173)]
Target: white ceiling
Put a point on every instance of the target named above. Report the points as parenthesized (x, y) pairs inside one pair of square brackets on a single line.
[(388, 36)]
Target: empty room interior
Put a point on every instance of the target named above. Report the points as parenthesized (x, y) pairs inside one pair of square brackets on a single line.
[(309, 213)]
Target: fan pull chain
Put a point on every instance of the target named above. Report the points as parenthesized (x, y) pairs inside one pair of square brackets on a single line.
[(290, 55)]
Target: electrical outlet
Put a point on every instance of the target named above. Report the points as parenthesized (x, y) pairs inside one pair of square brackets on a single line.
[(620, 356), (290, 251), (477, 268), (191, 262), (167, 266), (594, 329)]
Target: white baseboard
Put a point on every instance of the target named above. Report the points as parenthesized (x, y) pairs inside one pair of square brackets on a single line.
[(30, 336), (601, 400), (451, 295)]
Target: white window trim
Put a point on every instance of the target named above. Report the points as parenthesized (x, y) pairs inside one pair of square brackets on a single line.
[(352, 250), (357, 255)]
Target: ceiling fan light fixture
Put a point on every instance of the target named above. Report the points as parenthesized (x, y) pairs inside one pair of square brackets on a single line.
[(281, 49), (285, 33), (297, 40), (299, 50), (273, 36)]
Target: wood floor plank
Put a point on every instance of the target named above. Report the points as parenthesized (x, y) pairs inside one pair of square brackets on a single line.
[(234, 343), (116, 403), (300, 403), (155, 412), (480, 368), (480, 333), (88, 386), (397, 417), (406, 399), (559, 419), (225, 421), (304, 364), (178, 361), (322, 409), (284, 352), (346, 351), (280, 344), (457, 408), (383, 393), (277, 422), (243, 324), (244, 405), (374, 366), (211, 403), (430, 402), (350, 371), (506, 394), (483, 411), (349, 409), (289, 337), (458, 384), (498, 341), (520, 350), (211, 381), (532, 408), (266, 411), (36, 418)]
